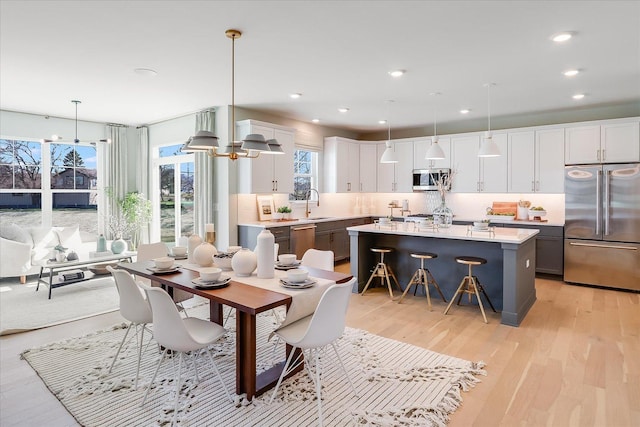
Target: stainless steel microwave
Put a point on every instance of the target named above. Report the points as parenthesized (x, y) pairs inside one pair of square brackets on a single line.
[(426, 179)]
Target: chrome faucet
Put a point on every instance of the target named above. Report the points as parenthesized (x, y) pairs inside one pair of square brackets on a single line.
[(307, 211)]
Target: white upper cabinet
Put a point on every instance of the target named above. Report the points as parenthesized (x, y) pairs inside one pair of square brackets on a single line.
[(268, 173), (549, 161), (396, 177), (420, 147), (608, 143), (341, 165), (474, 174), (368, 167), (536, 161)]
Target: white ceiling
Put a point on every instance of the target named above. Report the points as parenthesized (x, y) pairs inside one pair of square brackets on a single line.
[(336, 53)]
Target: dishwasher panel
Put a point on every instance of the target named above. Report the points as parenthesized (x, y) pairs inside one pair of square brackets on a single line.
[(303, 237)]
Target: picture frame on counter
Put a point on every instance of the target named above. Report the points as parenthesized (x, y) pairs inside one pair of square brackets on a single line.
[(265, 208)]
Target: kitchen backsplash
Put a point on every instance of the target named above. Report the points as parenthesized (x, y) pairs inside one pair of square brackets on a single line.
[(464, 205)]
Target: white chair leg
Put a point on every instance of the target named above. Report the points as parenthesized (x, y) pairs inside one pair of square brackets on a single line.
[(335, 349), (227, 316), (195, 366), (215, 368), (178, 387), (318, 388), (135, 385), (120, 348), (184, 310), (282, 375), (144, 399)]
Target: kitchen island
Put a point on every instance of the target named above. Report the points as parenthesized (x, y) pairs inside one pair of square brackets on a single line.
[(508, 277)]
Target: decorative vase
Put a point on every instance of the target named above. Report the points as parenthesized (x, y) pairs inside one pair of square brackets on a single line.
[(101, 245), (443, 216), (203, 254), (60, 256), (118, 246), (193, 242), (265, 255), (244, 262)]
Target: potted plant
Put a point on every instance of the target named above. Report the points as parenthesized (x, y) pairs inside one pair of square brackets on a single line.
[(130, 214), (60, 250), (285, 211)]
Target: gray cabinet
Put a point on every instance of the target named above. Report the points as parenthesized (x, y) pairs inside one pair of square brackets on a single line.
[(549, 246), (248, 237), (333, 236)]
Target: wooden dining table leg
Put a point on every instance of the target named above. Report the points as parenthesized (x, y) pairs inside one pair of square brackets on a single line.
[(246, 354), (215, 312)]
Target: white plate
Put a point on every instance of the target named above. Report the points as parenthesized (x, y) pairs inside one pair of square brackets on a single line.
[(178, 257), (297, 285), (156, 270), (220, 283), (295, 264), (482, 228)]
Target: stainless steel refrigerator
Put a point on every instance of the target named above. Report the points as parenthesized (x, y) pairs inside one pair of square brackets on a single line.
[(602, 225)]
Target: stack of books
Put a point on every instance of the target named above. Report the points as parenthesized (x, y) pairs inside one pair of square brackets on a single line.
[(71, 275)]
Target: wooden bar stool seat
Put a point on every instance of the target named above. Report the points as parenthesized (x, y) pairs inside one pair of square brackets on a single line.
[(383, 271), (423, 277), (470, 284)]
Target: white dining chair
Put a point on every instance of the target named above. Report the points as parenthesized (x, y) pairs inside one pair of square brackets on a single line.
[(313, 334), (318, 259), (134, 308), (149, 251), (181, 336)]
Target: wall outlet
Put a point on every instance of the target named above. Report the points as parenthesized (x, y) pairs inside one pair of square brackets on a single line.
[(527, 263)]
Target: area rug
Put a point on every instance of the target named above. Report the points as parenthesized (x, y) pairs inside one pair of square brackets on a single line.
[(23, 309), (398, 384)]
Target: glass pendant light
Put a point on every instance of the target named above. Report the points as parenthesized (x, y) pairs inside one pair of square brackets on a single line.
[(488, 147), (389, 155), (435, 151)]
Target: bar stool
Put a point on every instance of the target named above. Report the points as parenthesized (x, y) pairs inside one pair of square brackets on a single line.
[(470, 284), (383, 271), (423, 277)]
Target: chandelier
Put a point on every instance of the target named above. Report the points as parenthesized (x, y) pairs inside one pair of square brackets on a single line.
[(250, 147), (75, 140)]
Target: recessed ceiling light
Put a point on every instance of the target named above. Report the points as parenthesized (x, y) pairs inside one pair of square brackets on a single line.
[(343, 109), (382, 122), (562, 37), (465, 111), (295, 95), (396, 73), (571, 73), (578, 96), (147, 72), (315, 120)]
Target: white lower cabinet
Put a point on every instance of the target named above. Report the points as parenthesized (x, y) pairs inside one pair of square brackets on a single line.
[(473, 174)]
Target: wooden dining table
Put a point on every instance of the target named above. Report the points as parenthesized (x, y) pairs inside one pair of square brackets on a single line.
[(248, 301)]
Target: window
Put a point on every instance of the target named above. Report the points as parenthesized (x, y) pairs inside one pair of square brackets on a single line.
[(57, 183), (174, 174), (305, 174)]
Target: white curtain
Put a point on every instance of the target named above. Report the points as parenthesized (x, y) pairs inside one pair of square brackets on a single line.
[(142, 173), (116, 165), (203, 187)]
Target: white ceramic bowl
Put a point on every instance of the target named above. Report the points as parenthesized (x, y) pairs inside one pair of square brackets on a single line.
[(384, 220), (163, 263), (533, 213), (297, 275), (179, 250), (210, 274), (234, 249), (480, 224), (223, 260), (287, 259)]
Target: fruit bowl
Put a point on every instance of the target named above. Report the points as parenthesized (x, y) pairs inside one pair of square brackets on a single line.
[(534, 213)]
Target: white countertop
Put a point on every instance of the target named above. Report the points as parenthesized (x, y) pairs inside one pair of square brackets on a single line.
[(499, 221), (457, 232), (312, 220)]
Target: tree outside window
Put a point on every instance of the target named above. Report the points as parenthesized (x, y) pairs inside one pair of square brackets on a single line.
[(304, 174)]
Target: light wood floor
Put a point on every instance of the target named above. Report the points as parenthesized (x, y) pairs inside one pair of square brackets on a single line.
[(575, 360)]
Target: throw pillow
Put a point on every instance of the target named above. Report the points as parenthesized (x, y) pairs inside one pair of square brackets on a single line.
[(69, 237), (15, 233)]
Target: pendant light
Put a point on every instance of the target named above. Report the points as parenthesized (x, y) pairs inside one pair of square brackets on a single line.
[(434, 152), (75, 140), (250, 147), (389, 155), (488, 147)]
